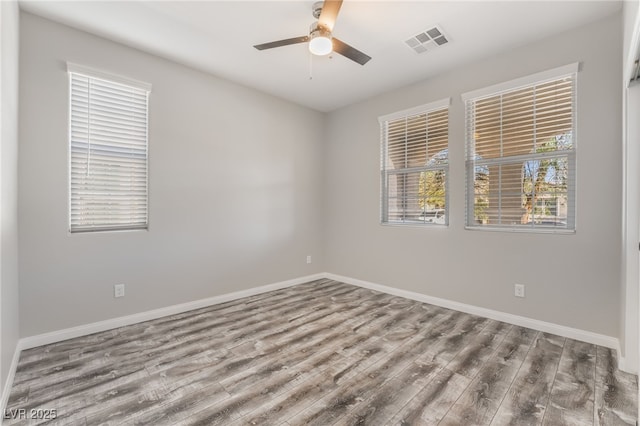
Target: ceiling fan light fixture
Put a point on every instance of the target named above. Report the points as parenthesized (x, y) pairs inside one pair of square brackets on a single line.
[(319, 39), (320, 46), (320, 42)]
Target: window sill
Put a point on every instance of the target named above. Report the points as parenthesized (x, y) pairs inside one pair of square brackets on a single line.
[(106, 231), (521, 230), (415, 225)]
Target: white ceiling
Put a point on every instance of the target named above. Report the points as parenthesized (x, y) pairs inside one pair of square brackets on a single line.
[(218, 37)]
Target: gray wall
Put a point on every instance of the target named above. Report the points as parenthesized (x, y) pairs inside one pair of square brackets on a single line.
[(9, 24), (573, 280), (234, 183)]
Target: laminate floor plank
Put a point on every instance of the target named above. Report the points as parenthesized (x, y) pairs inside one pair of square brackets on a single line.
[(527, 399), (452, 342), (392, 395), (433, 401), (322, 353), (614, 404), (572, 397), (475, 353), (479, 403), (289, 403)]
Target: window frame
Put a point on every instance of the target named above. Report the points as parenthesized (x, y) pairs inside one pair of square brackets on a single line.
[(442, 104), (570, 70), (113, 79)]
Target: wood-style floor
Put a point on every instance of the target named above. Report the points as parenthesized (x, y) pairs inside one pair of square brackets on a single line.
[(323, 353)]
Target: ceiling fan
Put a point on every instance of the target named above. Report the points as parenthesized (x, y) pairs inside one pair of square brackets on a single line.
[(321, 42)]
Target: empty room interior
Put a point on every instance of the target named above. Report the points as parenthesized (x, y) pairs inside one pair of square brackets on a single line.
[(318, 213)]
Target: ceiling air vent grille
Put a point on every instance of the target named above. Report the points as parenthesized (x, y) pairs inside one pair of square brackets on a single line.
[(427, 40)]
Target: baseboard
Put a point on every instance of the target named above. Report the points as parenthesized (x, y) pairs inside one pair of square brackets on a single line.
[(96, 327), (8, 384), (622, 362), (547, 327)]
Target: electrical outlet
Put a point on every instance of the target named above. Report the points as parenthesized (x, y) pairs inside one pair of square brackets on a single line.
[(118, 290), (308, 259), (518, 290)]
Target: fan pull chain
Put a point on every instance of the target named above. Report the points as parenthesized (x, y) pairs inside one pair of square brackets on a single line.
[(310, 66)]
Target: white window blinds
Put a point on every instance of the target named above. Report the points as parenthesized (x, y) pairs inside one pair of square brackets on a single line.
[(108, 152), (520, 158), (415, 165)]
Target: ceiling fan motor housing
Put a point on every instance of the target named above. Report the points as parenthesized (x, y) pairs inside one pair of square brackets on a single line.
[(316, 9), (316, 30)]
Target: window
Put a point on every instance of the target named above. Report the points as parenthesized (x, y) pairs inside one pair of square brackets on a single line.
[(107, 152), (415, 164), (521, 153)]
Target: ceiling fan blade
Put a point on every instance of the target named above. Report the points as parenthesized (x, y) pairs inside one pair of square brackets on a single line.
[(280, 43), (329, 13), (350, 52)]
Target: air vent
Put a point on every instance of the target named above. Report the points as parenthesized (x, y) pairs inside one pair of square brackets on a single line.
[(427, 40)]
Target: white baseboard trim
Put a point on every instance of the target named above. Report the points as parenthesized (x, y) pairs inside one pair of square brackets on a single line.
[(8, 384), (547, 327), (96, 327), (624, 364)]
